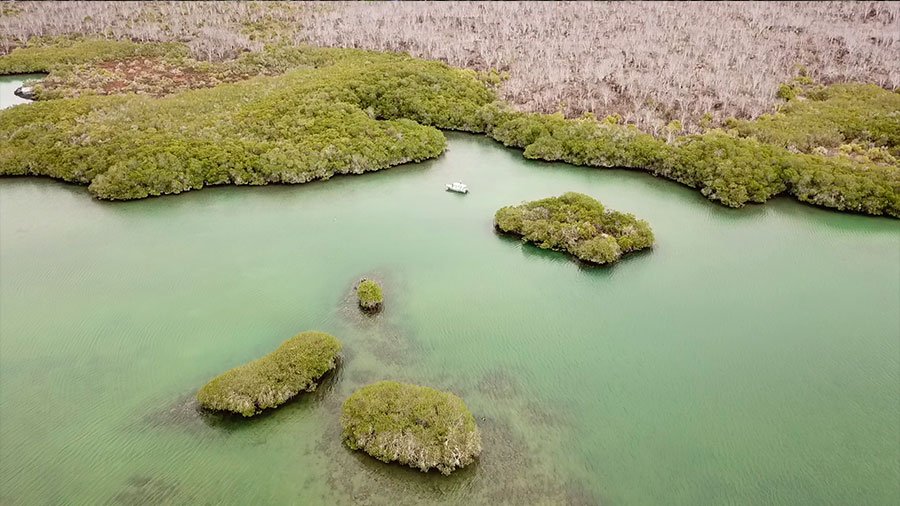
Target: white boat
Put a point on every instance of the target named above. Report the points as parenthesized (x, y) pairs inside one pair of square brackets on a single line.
[(458, 187), (26, 92)]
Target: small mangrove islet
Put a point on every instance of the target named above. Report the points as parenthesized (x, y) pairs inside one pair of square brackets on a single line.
[(273, 379), (369, 294), (577, 224), (414, 425)]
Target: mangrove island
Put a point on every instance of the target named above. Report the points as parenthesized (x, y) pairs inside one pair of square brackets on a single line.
[(272, 380), (414, 425), (577, 224)]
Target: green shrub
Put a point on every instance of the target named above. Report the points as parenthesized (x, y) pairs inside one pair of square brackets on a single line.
[(47, 55), (829, 117), (369, 294), (582, 141), (271, 380), (414, 425), (844, 184), (787, 91), (577, 224), (730, 170), (160, 70)]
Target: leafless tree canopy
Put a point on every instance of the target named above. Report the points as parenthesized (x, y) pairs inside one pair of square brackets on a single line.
[(651, 62)]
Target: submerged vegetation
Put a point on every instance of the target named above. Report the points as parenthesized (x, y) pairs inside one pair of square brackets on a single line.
[(414, 425), (577, 224), (368, 292), (271, 380)]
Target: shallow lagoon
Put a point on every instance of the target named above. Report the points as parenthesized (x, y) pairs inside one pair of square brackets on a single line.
[(752, 357)]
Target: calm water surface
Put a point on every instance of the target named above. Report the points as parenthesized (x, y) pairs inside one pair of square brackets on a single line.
[(8, 85), (753, 357)]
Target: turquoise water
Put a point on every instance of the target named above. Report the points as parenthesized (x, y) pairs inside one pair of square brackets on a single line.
[(753, 357)]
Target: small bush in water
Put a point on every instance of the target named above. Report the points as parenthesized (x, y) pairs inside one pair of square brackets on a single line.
[(369, 294), (273, 379)]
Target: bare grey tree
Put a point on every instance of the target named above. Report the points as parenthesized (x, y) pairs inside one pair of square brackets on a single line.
[(651, 62)]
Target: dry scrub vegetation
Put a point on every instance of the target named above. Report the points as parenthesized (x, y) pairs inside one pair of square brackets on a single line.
[(213, 30), (649, 62)]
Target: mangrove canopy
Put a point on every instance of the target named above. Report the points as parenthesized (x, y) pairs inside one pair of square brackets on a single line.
[(273, 379), (298, 114), (414, 425), (369, 294), (577, 224)]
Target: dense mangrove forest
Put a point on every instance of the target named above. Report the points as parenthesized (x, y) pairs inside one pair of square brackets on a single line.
[(303, 116)]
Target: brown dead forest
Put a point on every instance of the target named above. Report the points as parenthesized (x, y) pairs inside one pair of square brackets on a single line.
[(650, 62)]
